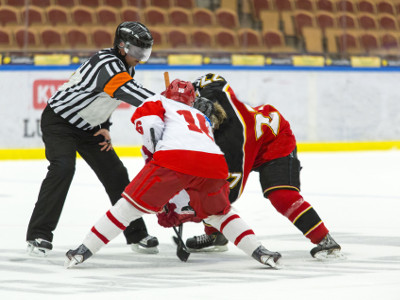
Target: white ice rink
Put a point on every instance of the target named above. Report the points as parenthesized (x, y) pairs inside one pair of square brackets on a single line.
[(357, 194)]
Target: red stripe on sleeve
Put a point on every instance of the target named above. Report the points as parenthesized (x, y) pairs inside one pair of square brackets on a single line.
[(100, 236), (240, 237), (227, 221), (115, 221), (149, 108)]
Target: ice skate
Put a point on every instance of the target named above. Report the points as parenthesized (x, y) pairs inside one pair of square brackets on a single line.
[(147, 245), (77, 256), (215, 242), (327, 249), (266, 257), (38, 247)]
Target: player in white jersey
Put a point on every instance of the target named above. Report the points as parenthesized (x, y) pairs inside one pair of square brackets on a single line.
[(184, 157)]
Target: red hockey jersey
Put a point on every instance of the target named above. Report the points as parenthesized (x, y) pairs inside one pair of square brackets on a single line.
[(250, 136)]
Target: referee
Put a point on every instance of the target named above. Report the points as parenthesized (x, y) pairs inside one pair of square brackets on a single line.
[(77, 119)]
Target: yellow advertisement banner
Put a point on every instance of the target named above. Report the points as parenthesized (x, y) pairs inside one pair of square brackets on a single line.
[(52, 60), (366, 61), (185, 59), (248, 60), (308, 61)]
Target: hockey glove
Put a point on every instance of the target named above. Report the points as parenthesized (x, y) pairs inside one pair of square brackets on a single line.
[(171, 217)]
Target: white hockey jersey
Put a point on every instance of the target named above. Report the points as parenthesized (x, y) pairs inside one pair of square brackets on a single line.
[(183, 138)]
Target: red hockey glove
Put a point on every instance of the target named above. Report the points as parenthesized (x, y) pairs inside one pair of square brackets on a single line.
[(147, 155), (170, 217)]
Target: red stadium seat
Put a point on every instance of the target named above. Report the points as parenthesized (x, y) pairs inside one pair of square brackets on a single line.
[(58, 15), (346, 20), (52, 38), (366, 6), (203, 17), (108, 16), (387, 22), (155, 16), (78, 38), (102, 37), (326, 5), (367, 21), (131, 14), (369, 42), (165, 4), (33, 15), (345, 6), (227, 18), (83, 16), (180, 16), (385, 6), (9, 16), (188, 4), (26, 38), (178, 38), (202, 38), (226, 39), (305, 5)]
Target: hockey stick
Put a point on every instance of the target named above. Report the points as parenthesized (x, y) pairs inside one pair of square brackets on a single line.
[(166, 79), (181, 251)]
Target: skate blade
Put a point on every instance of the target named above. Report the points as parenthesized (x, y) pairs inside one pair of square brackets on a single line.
[(210, 249), (270, 262), (330, 255), (36, 252), (70, 263), (139, 249)]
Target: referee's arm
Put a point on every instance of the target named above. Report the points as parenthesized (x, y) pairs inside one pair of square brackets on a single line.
[(122, 86)]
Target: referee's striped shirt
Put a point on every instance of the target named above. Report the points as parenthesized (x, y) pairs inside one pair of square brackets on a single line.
[(95, 90)]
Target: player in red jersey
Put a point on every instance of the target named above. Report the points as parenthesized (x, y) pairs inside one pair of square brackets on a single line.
[(256, 139), (184, 157)]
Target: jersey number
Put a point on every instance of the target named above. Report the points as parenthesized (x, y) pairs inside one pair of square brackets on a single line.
[(272, 121), (192, 123)]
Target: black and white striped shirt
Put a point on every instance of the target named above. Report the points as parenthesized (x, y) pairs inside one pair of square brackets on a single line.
[(95, 90)]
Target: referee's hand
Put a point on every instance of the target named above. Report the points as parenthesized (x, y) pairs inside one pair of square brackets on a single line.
[(106, 144)]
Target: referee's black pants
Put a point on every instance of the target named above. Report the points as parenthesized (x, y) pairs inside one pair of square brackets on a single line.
[(62, 141)]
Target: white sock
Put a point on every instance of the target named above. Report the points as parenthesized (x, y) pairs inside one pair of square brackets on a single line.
[(236, 231), (111, 225)]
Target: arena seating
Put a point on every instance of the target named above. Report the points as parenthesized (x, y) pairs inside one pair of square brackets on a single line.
[(242, 26)]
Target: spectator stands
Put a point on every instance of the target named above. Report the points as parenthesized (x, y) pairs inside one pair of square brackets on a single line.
[(334, 27)]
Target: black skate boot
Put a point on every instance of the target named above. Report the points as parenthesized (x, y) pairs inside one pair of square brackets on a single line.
[(327, 248), (266, 257), (77, 256), (215, 242), (38, 247), (146, 245)]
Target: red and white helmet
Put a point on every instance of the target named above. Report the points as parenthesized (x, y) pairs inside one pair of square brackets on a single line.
[(181, 91)]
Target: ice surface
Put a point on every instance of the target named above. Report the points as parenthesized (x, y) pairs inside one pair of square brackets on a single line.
[(356, 194)]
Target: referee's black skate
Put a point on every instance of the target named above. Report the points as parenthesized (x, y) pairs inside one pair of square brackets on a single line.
[(215, 242), (147, 245), (327, 249), (266, 257), (77, 256), (38, 247)]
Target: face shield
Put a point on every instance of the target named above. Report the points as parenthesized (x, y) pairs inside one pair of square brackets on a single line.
[(141, 54)]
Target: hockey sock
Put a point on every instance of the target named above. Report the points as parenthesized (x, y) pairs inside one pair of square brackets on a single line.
[(111, 225), (292, 205), (235, 230), (209, 229)]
